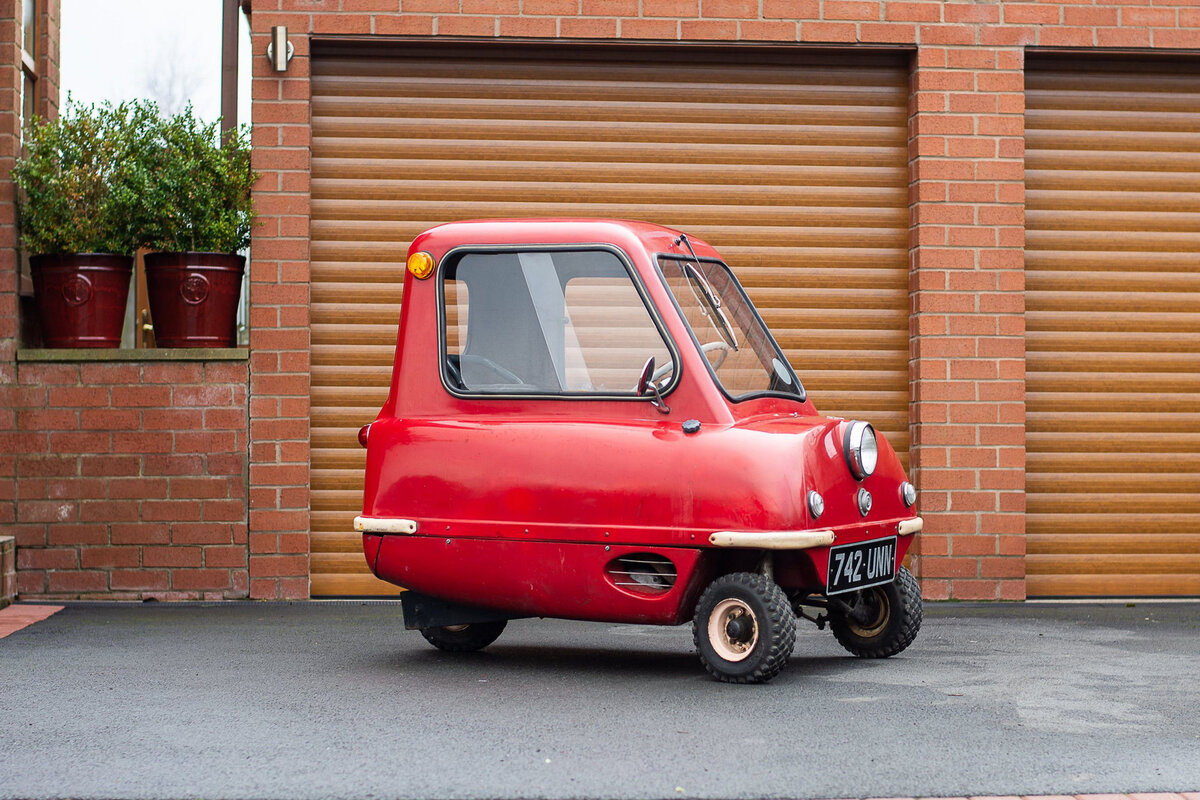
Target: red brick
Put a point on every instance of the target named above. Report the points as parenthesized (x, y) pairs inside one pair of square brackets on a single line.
[(610, 8), (141, 396), (936, 34), (172, 556), (147, 579), (74, 535), (98, 557), (1066, 37), (139, 533), (47, 558), (195, 579), (816, 32), (855, 10), (1032, 13), (453, 25), (78, 396), (1141, 17), (1189, 38), (230, 556), (675, 9), (971, 13), (76, 583), (208, 533), (886, 32), (545, 27), (273, 566), (171, 510), (912, 12), (109, 419), (532, 7)]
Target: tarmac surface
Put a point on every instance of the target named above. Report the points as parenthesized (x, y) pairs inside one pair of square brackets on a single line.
[(315, 700)]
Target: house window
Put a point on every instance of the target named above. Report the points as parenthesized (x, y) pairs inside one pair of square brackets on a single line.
[(29, 63)]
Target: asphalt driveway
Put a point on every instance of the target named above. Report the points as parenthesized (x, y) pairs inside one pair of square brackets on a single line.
[(336, 700)]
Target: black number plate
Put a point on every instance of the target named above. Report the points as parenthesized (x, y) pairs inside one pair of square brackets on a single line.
[(857, 566)]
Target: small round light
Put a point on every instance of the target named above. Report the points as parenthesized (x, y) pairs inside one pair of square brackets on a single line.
[(420, 265), (861, 449), (864, 502), (908, 493), (363, 433), (816, 504)]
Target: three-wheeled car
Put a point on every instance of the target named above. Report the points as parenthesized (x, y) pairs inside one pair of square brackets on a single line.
[(589, 420)]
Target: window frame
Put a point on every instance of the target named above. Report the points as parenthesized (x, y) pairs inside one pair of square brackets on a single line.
[(802, 397), (456, 253), (28, 66)]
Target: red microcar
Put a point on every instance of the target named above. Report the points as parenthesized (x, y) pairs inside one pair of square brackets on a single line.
[(589, 420)]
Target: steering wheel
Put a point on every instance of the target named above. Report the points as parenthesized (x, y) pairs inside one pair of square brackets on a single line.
[(722, 347)]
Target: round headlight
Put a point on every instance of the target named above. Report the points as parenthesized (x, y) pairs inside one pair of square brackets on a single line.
[(908, 493), (816, 504), (862, 451)]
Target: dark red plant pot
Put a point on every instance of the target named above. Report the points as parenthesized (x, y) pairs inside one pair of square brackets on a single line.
[(194, 298), (81, 297)]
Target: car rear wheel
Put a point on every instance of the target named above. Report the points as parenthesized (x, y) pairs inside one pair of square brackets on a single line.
[(744, 628), (880, 621), (464, 638)]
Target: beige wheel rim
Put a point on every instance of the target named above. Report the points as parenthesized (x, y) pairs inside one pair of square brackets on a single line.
[(725, 645), (455, 628), (883, 614)]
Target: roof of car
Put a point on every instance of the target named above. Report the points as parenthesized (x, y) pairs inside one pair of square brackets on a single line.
[(655, 238)]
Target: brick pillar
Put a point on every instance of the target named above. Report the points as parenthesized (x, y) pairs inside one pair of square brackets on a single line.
[(279, 317), (46, 105), (967, 367)]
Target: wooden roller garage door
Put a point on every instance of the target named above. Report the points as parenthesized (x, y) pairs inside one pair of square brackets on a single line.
[(1112, 267), (792, 164)]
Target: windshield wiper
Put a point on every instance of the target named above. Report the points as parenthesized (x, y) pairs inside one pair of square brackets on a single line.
[(714, 302)]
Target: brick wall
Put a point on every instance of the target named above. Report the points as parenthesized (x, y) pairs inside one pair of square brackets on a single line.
[(967, 201), (279, 329), (190, 479), (131, 479), (46, 105)]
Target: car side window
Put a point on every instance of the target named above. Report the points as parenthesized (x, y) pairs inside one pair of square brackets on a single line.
[(547, 322)]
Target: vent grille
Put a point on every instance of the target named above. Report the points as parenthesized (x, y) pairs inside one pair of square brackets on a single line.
[(647, 573)]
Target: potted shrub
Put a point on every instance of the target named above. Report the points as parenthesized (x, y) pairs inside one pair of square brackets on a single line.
[(197, 214), (79, 193)]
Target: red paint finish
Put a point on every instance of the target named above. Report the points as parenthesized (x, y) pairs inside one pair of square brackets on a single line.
[(522, 504)]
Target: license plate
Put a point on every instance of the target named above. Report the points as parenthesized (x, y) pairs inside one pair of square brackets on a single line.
[(857, 566)]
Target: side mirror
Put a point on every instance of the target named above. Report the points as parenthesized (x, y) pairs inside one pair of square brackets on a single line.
[(646, 381), (646, 386)]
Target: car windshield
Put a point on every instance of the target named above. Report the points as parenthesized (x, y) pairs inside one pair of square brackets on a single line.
[(743, 357)]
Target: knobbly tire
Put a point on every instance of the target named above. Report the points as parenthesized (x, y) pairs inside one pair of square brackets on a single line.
[(884, 619), (464, 638), (744, 628)]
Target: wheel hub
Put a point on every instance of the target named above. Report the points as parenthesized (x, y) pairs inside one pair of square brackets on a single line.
[(733, 629)]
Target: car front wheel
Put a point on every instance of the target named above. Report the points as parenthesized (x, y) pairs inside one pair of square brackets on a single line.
[(880, 621), (744, 628)]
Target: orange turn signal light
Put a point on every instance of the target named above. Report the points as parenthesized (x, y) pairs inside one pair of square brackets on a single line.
[(420, 265)]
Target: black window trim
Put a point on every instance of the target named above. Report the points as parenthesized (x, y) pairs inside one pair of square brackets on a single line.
[(456, 253)]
